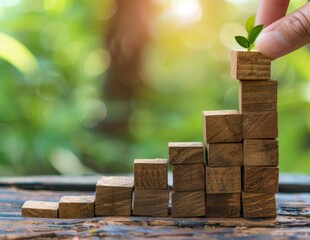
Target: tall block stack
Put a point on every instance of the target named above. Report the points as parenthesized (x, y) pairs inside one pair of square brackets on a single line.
[(222, 135), (258, 108), (151, 194), (188, 190)]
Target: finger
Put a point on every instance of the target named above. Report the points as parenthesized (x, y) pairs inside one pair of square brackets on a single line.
[(286, 35), (270, 11)]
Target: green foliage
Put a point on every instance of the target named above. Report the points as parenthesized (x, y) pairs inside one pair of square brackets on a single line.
[(49, 106), (244, 42), (250, 24), (253, 33)]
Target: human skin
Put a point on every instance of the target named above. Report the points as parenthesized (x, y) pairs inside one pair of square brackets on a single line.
[(282, 34)]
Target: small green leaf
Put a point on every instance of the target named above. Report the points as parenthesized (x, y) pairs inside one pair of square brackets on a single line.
[(254, 33), (250, 24), (243, 42)]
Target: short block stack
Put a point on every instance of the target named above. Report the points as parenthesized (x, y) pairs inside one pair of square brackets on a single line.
[(258, 105), (151, 195), (222, 135), (114, 196), (188, 191)]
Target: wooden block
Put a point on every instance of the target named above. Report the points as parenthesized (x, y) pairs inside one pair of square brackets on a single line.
[(261, 179), (223, 180), (222, 126), (186, 152), (77, 207), (259, 205), (225, 154), (259, 125), (261, 152), (188, 177), (257, 96), (114, 196), (225, 205), (151, 173), (249, 65), (188, 204), (151, 202), (40, 209)]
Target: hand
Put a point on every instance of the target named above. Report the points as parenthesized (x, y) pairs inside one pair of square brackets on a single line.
[(282, 34)]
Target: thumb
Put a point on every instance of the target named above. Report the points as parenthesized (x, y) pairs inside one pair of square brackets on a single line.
[(286, 34)]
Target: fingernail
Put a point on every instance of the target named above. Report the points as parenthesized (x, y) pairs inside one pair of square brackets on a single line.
[(272, 42)]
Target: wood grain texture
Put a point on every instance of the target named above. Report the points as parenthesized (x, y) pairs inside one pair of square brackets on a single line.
[(225, 205), (259, 125), (257, 96), (151, 173), (188, 204), (186, 152), (249, 65), (261, 152), (292, 219), (225, 154), (150, 202), (258, 205), (188, 177), (222, 126), (261, 179), (40, 209), (223, 180), (114, 196), (77, 207)]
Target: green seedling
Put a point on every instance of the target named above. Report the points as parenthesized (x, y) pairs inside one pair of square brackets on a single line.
[(253, 33)]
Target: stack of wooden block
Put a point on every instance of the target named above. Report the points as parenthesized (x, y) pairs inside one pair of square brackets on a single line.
[(241, 164), (114, 196), (151, 194), (258, 108), (222, 134), (188, 190)]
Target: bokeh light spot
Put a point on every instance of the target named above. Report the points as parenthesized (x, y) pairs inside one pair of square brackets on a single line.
[(17, 54), (97, 62), (54, 36)]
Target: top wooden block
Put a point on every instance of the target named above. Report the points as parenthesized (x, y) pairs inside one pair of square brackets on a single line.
[(249, 65), (114, 196), (186, 152), (222, 126), (116, 181), (151, 173), (40, 209), (77, 207)]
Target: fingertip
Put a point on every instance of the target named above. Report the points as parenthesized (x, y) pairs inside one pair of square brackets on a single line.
[(272, 44)]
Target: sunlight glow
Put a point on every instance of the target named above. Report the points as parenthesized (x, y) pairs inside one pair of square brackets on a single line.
[(185, 12), (9, 3), (237, 1)]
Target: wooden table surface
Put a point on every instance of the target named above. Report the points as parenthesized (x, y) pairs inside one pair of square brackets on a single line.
[(293, 209)]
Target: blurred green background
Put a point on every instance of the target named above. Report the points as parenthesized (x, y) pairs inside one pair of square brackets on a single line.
[(87, 86)]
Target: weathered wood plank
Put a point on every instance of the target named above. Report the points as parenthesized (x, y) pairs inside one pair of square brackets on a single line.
[(292, 221)]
